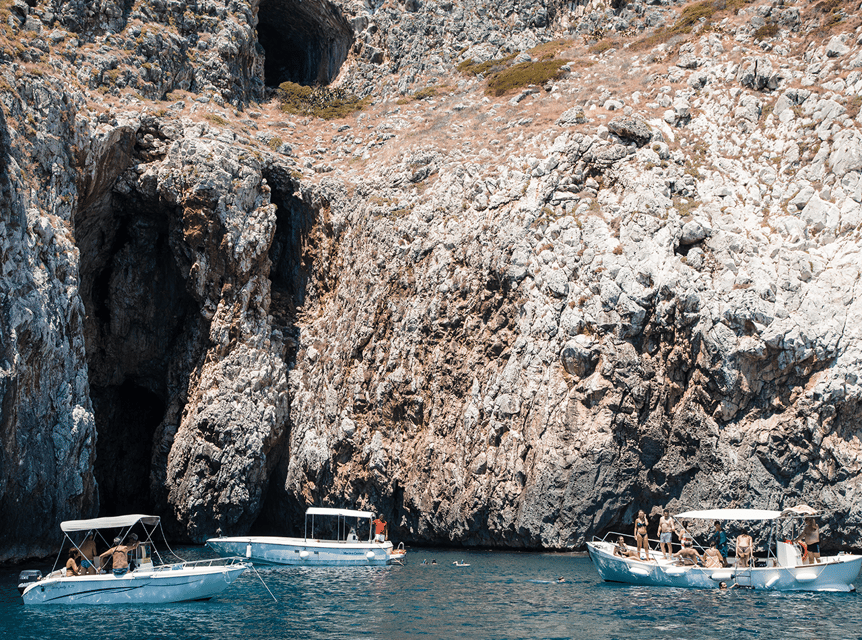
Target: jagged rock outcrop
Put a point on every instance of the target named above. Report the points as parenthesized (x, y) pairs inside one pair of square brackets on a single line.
[(504, 321)]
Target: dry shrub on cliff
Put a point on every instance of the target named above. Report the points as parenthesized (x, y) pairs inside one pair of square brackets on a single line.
[(319, 102), (524, 74), (690, 17), (475, 68)]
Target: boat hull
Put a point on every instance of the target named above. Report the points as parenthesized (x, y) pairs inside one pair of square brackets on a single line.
[(837, 574), (167, 585), (304, 552)]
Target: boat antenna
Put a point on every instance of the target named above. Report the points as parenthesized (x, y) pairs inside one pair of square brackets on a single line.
[(253, 568)]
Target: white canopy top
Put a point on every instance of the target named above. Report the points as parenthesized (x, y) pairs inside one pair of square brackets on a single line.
[(744, 514), (730, 514), (116, 522), (348, 513)]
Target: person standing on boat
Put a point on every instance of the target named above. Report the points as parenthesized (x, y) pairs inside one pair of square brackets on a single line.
[(380, 529), (666, 527), (720, 539), (119, 555), (811, 537), (744, 547), (88, 551), (641, 539)]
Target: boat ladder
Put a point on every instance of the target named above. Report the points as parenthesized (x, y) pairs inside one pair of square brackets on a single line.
[(743, 577)]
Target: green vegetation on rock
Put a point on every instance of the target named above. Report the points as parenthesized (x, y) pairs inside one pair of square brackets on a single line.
[(320, 102)]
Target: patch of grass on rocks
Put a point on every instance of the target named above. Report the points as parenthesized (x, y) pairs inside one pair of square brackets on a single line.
[(524, 74), (319, 102), (691, 16), (475, 68)]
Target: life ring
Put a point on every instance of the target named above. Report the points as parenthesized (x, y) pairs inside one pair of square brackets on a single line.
[(804, 548)]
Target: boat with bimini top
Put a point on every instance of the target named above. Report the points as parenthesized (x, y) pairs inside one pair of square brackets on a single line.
[(783, 570), (147, 578), (347, 548)]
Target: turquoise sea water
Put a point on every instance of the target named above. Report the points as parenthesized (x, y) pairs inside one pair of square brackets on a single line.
[(500, 595)]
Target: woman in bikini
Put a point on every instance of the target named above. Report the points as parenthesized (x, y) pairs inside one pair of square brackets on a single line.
[(744, 545), (641, 525)]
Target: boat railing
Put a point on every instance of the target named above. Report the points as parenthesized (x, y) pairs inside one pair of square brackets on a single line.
[(613, 535), (208, 562)]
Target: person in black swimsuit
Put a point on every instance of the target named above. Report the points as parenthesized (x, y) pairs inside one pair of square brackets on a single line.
[(811, 537), (641, 525)]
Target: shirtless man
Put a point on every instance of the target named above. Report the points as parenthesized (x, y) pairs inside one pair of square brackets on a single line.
[(119, 556), (623, 551), (88, 550), (687, 555), (712, 557), (744, 547), (811, 537), (666, 528)]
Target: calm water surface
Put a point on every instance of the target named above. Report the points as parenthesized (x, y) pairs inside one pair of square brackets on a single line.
[(500, 595)]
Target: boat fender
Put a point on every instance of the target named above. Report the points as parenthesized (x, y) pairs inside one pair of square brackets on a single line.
[(248, 550), (639, 571), (675, 571), (370, 555), (772, 580), (721, 575), (806, 576), (303, 554)]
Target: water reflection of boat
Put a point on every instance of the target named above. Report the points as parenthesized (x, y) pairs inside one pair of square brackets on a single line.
[(345, 549), (146, 582), (782, 570)]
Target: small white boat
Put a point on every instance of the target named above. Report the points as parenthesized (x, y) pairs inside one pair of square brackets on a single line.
[(783, 570), (346, 549), (146, 582)]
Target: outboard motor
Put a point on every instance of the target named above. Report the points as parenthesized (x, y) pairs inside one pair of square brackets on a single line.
[(27, 577)]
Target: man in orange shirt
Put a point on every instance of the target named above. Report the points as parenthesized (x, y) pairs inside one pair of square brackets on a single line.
[(380, 529)]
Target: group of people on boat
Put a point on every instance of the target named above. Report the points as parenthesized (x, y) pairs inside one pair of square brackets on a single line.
[(82, 559), (716, 555)]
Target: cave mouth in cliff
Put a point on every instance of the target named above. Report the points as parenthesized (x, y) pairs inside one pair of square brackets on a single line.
[(291, 262), (127, 416), (137, 321), (305, 41)]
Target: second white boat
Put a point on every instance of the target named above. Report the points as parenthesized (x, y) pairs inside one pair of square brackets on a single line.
[(344, 550)]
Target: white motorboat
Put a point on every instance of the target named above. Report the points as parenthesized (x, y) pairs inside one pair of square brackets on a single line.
[(346, 549), (146, 582), (782, 570)]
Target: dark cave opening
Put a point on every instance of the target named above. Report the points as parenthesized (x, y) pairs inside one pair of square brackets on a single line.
[(305, 41), (137, 310)]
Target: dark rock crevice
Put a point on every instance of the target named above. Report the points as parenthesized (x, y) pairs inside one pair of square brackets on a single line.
[(305, 42), (138, 312)]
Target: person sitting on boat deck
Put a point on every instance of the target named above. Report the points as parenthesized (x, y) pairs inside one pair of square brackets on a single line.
[(720, 538), (683, 534), (622, 550), (687, 555), (119, 555), (744, 547), (380, 529), (711, 557), (666, 527), (811, 537), (71, 565), (641, 540), (88, 551)]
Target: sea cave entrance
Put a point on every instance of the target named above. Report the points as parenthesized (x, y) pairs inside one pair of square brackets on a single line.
[(137, 311), (305, 41)]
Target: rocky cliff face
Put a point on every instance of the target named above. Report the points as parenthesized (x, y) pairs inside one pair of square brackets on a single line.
[(499, 320)]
